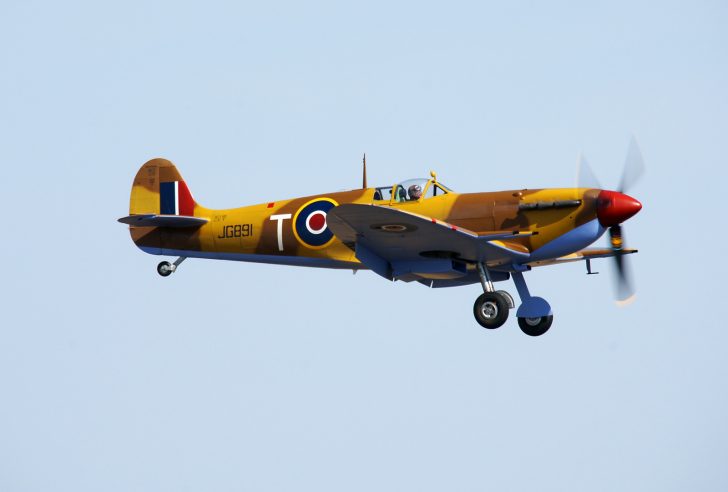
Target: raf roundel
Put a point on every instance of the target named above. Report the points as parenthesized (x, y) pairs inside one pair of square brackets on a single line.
[(309, 223)]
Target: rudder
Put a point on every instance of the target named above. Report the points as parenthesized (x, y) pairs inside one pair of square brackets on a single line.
[(158, 188)]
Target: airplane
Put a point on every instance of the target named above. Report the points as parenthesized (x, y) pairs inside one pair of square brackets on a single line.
[(418, 230)]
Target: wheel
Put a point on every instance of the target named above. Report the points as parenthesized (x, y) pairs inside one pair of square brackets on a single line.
[(165, 269), (491, 310), (535, 327)]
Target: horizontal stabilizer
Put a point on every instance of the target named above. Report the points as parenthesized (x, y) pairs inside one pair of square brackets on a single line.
[(153, 220)]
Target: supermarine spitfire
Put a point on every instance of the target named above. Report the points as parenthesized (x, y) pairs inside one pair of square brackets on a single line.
[(413, 231)]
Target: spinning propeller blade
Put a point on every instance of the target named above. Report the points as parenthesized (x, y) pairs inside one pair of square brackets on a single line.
[(625, 292), (634, 166), (613, 208), (585, 177)]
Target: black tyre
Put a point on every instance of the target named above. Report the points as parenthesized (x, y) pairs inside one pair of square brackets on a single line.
[(491, 310), (535, 327), (164, 269)]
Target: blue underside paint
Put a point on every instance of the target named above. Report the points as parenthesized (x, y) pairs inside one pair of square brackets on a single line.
[(471, 278), (572, 241), (271, 259), (373, 261), (429, 266)]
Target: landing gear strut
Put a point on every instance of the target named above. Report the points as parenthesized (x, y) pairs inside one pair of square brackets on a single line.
[(165, 268), (491, 307), (534, 313)]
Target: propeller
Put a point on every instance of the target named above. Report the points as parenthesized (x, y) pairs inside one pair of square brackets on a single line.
[(613, 208), (634, 166), (585, 177), (625, 291)]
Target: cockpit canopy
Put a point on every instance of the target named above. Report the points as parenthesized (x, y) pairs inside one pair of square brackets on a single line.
[(411, 190)]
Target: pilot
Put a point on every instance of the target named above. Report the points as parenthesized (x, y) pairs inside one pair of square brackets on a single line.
[(415, 192)]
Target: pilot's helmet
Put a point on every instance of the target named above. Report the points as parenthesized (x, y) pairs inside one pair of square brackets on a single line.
[(415, 192)]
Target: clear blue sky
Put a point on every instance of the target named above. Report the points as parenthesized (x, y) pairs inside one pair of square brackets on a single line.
[(232, 376)]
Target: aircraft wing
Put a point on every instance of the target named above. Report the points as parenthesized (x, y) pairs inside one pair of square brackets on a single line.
[(391, 241), (152, 220), (584, 254)]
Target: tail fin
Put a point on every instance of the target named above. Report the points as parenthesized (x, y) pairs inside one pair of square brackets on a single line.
[(160, 190)]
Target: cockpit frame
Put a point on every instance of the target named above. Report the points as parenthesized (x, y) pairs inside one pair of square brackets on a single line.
[(400, 192)]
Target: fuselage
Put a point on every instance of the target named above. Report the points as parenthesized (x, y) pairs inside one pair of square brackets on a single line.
[(294, 231)]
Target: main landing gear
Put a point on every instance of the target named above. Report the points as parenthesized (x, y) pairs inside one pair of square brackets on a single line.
[(165, 268), (491, 308)]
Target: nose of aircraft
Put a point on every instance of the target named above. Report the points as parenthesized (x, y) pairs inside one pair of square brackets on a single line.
[(614, 207)]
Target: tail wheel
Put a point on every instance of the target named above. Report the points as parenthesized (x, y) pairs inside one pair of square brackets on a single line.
[(491, 310), (165, 269), (535, 327)]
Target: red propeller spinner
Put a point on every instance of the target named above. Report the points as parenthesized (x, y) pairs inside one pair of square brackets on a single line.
[(614, 207)]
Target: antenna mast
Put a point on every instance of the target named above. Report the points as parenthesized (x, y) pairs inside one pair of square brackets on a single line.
[(364, 172)]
